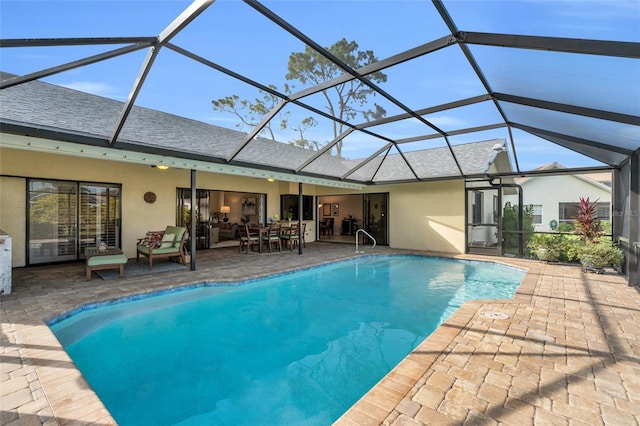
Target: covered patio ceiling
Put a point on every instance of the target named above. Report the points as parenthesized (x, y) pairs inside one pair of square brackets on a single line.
[(560, 85)]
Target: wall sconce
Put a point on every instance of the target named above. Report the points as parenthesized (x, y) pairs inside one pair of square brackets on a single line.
[(271, 180), (160, 166), (225, 210)]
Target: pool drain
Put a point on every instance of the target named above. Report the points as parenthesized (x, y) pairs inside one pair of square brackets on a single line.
[(495, 315)]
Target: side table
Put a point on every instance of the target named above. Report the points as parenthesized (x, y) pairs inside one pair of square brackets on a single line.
[(110, 258)]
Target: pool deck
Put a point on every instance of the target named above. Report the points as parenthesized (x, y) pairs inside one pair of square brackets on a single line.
[(568, 352)]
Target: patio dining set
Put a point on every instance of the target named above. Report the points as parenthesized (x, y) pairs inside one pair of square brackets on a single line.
[(273, 236)]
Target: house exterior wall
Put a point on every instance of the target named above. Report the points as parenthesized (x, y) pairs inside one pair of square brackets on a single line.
[(423, 216), (13, 218), (426, 216), (137, 215), (549, 191)]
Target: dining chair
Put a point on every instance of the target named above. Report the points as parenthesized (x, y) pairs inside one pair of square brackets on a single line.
[(273, 237), (290, 237), (287, 234), (248, 237), (326, 226)]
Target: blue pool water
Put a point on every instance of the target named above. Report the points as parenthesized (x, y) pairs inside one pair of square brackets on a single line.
[(294, 349)]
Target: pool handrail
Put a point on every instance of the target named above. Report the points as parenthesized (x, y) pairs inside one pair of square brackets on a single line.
[(368, 235)]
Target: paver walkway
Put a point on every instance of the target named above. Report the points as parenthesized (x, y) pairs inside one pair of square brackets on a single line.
[(567, 353)]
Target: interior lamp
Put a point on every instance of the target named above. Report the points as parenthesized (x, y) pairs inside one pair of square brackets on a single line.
[(225, 210)]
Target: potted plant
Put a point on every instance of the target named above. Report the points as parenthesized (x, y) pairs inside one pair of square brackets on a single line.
[(546, 247), (595, 256), (587, 224)]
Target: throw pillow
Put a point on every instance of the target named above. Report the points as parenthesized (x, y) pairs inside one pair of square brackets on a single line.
[(154, 238), (167, 240)]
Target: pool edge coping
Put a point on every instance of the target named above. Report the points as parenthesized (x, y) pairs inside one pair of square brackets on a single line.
[(379, 403)]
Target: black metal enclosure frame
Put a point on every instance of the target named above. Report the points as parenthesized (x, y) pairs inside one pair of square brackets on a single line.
[(616, 153)]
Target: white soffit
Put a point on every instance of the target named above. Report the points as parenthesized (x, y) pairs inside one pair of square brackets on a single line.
[(29, 143)]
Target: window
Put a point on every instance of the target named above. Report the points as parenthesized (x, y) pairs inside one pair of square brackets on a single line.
[(477, 206), (537, 214), (289, 207), (604, 211), (569, 211)]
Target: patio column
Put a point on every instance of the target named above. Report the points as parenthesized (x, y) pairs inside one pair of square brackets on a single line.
[(300, 209), (624, 215), (634, 220), (193, 224)]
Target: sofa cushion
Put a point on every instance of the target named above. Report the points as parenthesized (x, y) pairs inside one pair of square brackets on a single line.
[(110, 259), (160, 250), (167, 240), (178, 232)]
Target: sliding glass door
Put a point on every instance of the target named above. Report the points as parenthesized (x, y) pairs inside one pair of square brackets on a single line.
[(99, 215), (64, 217), (484, 233), (53, 221), (203, 214), (375, 217), (341, 216)]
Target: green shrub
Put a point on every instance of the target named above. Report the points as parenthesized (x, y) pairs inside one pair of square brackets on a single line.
[(571, 249), (510, 235), (601, 254), (565, 247), (565, 227), (552, 243)]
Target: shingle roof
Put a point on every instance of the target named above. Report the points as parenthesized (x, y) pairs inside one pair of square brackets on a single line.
[(451, 78), (71, 112)]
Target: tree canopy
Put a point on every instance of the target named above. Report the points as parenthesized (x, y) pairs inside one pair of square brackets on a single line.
[(345, 101)]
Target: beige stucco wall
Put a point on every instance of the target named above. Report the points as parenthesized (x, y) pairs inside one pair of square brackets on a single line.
[(426, 216), (13, 218), (137, 215), (423, 216)]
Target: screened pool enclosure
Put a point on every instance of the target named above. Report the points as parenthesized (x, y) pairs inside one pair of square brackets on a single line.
[(336, 93)]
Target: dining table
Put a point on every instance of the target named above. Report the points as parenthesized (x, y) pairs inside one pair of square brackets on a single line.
[(260, 230), (263, 231)]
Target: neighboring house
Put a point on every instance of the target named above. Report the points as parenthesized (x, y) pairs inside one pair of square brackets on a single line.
[(555, 199)]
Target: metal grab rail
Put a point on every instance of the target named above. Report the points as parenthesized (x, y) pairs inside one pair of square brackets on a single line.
[(368, 235)]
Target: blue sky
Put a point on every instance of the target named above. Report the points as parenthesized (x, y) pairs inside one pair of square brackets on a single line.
[(237, 37)]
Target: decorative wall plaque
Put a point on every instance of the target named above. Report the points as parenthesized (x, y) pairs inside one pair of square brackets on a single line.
[(150, 197)]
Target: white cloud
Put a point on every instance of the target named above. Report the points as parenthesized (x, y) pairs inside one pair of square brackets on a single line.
[(95, 88), (224, 121), (595, 9), (446, 121)]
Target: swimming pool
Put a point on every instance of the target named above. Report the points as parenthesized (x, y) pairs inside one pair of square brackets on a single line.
[(298, 348)]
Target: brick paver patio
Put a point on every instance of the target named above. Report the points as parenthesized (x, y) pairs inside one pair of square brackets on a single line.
[(564, 351)]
